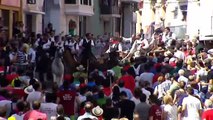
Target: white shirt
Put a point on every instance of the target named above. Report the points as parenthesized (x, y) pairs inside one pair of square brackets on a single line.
[(202, 74), (37, 42), (49, 108), (171, 112), (34, 96), (147, 93), (12, 56), (168, 37), (32, 53), (159, 91), (136, 101), (193, 105), (147, 76), (87, 115), (126, 44), (179, 54), (46, 45), (137, 45), (184, 79), (137, 70), (82, 41)]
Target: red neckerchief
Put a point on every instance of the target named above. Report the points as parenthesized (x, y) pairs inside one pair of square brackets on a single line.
[(115, 42)]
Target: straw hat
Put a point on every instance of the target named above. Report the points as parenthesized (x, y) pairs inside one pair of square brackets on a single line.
[(80, 68), (29, 89), (97, 111)]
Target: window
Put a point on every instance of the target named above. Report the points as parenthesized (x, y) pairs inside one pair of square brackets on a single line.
[(86, 2), (70, 1), (31, 1)]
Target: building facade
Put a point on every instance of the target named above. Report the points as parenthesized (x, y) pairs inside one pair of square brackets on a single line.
[(110, 15), (182, 16), (33, 13), (10, 13), (129, 17), (68, 16)]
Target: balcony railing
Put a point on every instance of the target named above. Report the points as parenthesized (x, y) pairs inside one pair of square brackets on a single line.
[(109, 10)]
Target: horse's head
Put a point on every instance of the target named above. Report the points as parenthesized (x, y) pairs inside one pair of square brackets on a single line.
[(59, 52)]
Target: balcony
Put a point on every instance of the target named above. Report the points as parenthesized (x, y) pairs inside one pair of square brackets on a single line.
[(130, 1), (108, 12), (36, 7), (79, 8)]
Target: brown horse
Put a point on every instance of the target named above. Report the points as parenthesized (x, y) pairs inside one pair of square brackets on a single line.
[(70, 62)]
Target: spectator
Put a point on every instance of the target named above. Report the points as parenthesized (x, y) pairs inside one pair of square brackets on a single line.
[(34, 93), (155, 112), (169, 109), (49, 106), (191, 106), (208, 112), (110, 111), (127, 106), (67, 98), (88, 109), (142, 109), (35, 114), (20, 107)]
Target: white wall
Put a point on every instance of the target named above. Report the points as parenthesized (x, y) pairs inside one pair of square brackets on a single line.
[(193, 19), (206, 21)]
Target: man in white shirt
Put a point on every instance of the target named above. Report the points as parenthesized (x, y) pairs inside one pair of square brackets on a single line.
[(50, 108), (139, 47), (88, 109), (191, 106), (179, 53), (86, 45), (35, 95), (168, 36), (181, 73)]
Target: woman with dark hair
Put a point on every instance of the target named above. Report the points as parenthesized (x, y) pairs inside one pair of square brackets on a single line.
[(136, 97)]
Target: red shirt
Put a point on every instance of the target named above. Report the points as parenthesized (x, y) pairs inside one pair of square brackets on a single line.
[(155, 78), (207, 115), (35, 115), (10, 77), (156, 112), (67, 99), (1, 68), (17, 91), (129, 82), (107, 91)]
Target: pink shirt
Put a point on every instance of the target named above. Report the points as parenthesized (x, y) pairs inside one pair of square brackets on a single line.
[(35, 115)]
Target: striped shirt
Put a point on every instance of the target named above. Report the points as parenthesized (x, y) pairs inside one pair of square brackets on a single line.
[(21, 57)]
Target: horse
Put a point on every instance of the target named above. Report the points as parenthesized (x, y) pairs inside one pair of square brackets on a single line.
[(58, 66), (70, 61)]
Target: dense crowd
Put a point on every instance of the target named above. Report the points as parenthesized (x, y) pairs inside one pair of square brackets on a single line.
[(114, 78)]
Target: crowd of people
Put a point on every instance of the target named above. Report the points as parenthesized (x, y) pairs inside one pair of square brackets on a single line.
[(115, 78)]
